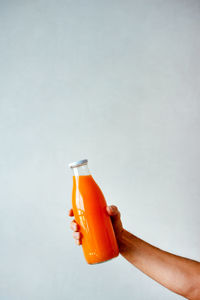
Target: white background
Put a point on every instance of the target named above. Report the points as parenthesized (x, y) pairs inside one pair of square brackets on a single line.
[(117, 82)]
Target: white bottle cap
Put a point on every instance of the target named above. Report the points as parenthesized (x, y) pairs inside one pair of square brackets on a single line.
[(78, 163)]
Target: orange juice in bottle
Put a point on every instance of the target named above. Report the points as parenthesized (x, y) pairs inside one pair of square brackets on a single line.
[(89, 206)]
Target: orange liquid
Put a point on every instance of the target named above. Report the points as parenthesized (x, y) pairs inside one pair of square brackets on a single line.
[(89, 206)]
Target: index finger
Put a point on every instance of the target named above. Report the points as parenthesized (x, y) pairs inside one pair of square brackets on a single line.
[(71, 213)]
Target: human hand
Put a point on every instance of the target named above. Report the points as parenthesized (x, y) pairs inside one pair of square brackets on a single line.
[(112, 211)]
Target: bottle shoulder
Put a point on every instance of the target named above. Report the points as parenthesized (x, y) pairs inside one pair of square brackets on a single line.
[(87, 193)]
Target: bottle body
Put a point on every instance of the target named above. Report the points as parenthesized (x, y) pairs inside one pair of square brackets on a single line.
[(89, 206)]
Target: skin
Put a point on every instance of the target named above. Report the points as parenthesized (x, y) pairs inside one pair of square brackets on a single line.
[(179, 274)]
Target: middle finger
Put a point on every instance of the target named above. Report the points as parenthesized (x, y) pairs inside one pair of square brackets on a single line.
[(74, 225)]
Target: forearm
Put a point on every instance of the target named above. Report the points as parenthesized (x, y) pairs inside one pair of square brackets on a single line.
[(179, 274)]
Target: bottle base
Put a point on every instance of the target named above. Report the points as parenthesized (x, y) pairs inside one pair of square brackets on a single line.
[(101, 262)]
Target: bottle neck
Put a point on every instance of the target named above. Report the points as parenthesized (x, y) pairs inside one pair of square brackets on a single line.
[(81, 171)]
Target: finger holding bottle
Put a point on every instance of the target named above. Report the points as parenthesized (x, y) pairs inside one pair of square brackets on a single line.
[(75, 227)]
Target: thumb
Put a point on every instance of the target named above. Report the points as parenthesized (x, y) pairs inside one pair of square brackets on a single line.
[(115, 215), (113, 212)]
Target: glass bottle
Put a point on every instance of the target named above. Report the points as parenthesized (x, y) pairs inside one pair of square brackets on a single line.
[(89, 206)]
